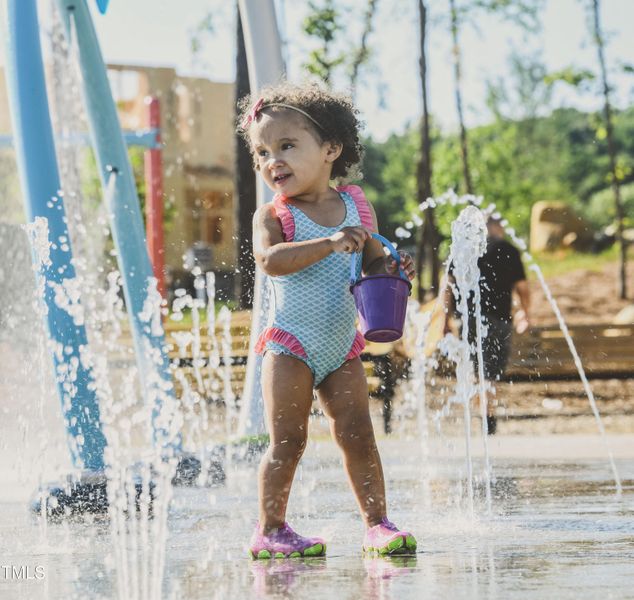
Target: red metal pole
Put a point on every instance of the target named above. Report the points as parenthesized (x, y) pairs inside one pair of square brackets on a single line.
[(154, 196)]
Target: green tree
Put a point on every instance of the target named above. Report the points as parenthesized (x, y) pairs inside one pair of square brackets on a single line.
[(560, 160), (600, 209), (334, 55), (323, 23), (609, 135), (604, 127), (362, 53), (389, 175), (428, 240), (523, 13), (244, 184)]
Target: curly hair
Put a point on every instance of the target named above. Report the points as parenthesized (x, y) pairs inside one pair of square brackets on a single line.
[(335, 113)]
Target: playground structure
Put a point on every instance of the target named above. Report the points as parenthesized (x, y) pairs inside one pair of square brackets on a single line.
[(142, 277)]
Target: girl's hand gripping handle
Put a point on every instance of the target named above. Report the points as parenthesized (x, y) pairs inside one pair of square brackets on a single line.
[(395, 255)]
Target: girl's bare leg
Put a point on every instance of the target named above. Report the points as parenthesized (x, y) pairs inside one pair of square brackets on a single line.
[(287, 392), (344, 398)]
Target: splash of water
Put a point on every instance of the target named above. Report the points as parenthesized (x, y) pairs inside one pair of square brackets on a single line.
[(586, 386), (138, 473), (37, 232), (452, 199), (138, 469), (468, 244), (213, 359), (414, 389)]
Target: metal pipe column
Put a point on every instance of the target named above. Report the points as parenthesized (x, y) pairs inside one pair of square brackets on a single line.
[(153, 160), (139, 284), (39, 176), (264, 58)]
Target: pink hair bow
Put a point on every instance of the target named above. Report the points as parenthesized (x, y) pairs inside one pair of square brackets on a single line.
[(252, 115)]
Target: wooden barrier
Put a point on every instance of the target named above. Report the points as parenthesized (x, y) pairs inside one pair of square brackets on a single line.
[(197, 367), (606, 350)]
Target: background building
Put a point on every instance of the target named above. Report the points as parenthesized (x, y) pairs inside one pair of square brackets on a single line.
[(197, 128)]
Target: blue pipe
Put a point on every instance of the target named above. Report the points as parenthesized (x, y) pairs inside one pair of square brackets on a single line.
[(145, 138), (39, 176), (125, 214)]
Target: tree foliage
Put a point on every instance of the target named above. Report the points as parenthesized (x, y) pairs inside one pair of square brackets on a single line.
[(323, 23), (515, 164), (335, 56)]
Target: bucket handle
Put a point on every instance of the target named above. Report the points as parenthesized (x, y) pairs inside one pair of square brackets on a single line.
[(395, 255)]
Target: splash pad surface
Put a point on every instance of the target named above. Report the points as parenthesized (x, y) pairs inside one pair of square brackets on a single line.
[(555, 521), (556, 525)]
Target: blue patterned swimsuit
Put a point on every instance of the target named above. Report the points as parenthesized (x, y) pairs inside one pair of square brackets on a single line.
[(313, 312)]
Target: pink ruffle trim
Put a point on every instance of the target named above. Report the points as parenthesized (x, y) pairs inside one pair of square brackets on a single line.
[(357, 346), (288, 222), (288, 340), (361, 202), (285, 216)]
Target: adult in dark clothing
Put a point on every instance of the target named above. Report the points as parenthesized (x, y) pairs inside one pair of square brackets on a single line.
[(501, 274)]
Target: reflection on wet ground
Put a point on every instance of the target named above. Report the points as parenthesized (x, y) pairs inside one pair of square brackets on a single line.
[(557, 530)]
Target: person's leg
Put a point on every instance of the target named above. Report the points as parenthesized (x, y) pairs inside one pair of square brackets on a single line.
[(496, 351), (288, 393), (490, 360), (344, 399), (489, 353)]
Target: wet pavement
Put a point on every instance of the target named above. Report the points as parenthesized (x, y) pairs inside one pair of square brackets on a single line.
[(556, 530)]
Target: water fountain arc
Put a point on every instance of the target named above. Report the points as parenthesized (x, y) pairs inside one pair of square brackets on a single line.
[(468, 244), (451, 198)]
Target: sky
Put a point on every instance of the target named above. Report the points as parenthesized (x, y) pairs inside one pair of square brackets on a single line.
[(147, 32)]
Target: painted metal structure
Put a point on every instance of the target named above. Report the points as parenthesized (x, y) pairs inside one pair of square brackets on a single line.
[(154, 196), (115, 171), (39, 175), (264, 58), (145, 138), (40, 180)]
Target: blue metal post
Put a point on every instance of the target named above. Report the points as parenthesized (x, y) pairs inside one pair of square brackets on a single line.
[(39, 175), (124, 210)]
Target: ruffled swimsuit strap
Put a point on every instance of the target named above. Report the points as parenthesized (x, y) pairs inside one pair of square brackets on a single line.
[(285, 217), (365, 214), (361, 203)]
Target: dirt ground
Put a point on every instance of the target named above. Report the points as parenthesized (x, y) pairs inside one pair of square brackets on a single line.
[(583, 296)]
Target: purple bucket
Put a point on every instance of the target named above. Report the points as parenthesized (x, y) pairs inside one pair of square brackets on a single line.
[(381, 300)]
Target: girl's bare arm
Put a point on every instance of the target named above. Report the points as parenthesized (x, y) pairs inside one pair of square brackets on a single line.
[(277, 257)]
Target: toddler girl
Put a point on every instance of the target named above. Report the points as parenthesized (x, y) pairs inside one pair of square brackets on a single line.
[(301, 139)]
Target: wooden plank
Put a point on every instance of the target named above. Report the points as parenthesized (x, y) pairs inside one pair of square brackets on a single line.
[(604, 349), (182, 360), (237, 380)]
